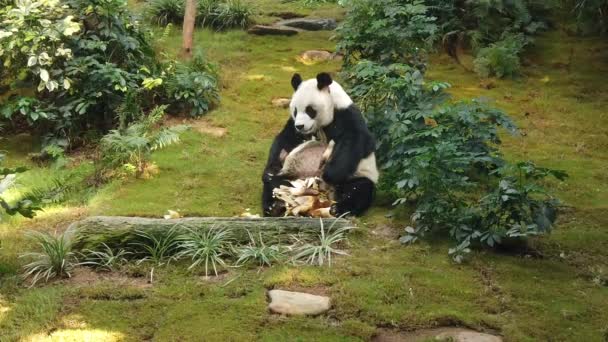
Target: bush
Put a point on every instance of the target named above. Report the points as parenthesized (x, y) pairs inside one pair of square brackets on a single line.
[(442, 156), (386, 30), (192, 87), (481, 24), (127, 151), (92, 60), (500, 59), (220, 15)]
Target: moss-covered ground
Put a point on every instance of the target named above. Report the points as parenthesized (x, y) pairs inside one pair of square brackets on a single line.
[(557, 293)]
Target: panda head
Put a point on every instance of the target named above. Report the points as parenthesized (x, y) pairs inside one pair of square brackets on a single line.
[(314, 102)]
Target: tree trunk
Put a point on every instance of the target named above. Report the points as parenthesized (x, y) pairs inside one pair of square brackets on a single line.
[(117, 231), (188, 28)]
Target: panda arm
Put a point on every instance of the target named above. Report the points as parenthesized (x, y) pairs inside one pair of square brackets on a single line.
[(342, 164), (286, 140)]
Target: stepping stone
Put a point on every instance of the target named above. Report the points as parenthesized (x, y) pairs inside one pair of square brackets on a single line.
[(263, 30), (310, 24), (297, 303), (315, 56), (281, 102)]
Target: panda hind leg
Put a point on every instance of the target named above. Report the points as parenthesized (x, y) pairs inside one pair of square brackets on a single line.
[(353, 197)]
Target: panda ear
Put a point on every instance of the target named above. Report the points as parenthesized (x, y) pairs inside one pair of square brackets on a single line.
[(323, 80), (296, 80)]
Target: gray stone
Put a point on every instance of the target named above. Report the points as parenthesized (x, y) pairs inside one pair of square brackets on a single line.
[(277, 30), (297, 303), (310, 24)]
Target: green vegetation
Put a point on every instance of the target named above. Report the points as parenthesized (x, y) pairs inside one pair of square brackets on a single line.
[(217, 14), (56, 258), (70, 67), (551, 291), (441, 156)]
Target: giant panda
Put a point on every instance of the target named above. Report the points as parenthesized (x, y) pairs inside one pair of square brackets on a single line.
[(321, 109)]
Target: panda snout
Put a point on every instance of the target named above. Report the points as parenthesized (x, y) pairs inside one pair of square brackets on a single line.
[(299, 127)]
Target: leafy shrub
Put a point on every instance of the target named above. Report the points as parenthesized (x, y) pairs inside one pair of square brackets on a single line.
[(78, 83), (480, 24), (500, 59), (444, 157), (192, 87), (87, 60), (56, 258), (129, 150), (386, 30)]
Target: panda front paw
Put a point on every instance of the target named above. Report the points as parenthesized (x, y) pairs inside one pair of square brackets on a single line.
[(337, 210)]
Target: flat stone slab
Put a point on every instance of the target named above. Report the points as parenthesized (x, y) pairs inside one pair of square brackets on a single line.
[(467, 336), (316, 56), (310, 24), (297, 303), (276, 30), (281, 102)]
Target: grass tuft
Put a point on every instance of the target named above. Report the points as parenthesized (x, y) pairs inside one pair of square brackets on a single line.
[(208, 247), (56, 258), (321, 251)]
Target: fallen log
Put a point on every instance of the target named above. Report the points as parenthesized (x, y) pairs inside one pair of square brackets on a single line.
[(121, 231)]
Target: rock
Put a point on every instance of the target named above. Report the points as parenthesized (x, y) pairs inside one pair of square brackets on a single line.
[(467, 336), (281, 102), (310, 24), (315, 56), (297, 303), (263, 30)]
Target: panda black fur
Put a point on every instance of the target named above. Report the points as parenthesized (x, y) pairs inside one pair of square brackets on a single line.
[(321, 107)]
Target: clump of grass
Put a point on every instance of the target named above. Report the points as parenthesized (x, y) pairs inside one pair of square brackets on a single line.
[(163, 12), (220, 15), (208, 247), (258, 251), (320, 251), (232, 14), (56, 258), (105, 259), (159, 248)]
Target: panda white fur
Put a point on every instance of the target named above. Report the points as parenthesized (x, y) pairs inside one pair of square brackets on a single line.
[(321, 108)]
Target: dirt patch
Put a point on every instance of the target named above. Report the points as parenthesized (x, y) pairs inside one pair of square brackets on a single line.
[(83, 276), (438, 334), (202, 125), (286, 15), (386, 231)]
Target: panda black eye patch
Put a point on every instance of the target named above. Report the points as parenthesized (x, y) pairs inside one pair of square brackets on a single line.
[(311, 112)]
